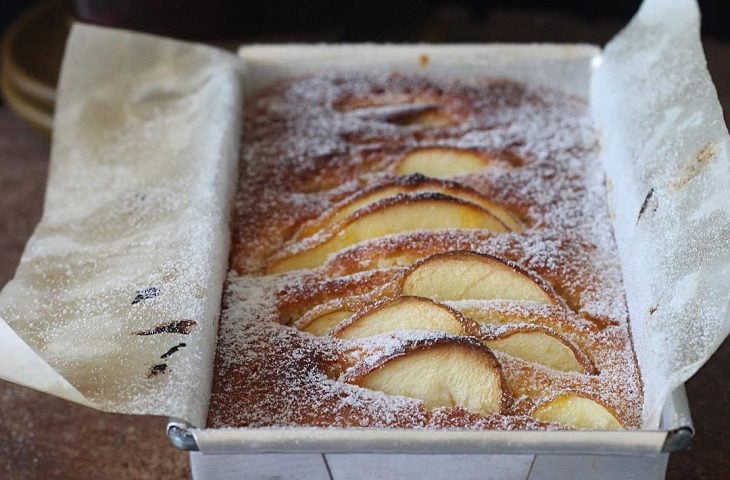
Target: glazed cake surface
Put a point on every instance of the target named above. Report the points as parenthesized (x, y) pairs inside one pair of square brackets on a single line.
[(425, 253)]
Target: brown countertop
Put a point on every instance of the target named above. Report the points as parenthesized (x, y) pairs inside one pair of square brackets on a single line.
[(45, 437)]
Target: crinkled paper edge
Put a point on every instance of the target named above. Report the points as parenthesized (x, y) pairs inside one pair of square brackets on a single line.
[(117, 294), (665, 152)]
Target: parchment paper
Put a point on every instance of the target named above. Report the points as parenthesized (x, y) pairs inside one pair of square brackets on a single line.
[(117, 295), (134, 237), (665, 151)]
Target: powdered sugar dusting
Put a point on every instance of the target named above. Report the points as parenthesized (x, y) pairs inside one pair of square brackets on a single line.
[(311, 143)]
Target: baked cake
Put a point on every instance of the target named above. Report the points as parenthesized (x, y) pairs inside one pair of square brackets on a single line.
[(417, 252)]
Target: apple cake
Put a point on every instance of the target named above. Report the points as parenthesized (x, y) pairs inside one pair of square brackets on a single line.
[(422, 252)]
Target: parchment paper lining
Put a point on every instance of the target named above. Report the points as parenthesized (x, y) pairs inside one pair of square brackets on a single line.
[(665, 152), (134, 235)]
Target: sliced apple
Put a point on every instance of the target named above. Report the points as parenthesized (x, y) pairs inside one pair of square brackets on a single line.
[(403, 213), (403, 313), (399, 260), (404, 114), (325, 315), (465, 275), (432, 117), (445, 373), (442, 162), (402, 251), (577, 411), (500, 313), (555, 317), (384, 102), (324, 323), (538, 345), (314, 295), (410, 184)]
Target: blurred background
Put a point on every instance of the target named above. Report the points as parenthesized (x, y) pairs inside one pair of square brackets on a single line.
[(44, 437), (355, 20), (35, 32)]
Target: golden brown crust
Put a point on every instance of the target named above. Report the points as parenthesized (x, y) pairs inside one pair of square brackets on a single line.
[(324, 152)]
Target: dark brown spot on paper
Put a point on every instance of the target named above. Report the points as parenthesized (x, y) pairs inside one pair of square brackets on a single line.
[(694, 166), (174, 349), (158, 369), (644, 205), (183, 327), (146, 294)]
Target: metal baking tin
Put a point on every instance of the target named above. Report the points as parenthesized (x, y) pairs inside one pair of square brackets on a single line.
[(676, 435), (565, 67)]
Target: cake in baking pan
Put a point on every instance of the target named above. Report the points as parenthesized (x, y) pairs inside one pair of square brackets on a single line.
[(421, 252)]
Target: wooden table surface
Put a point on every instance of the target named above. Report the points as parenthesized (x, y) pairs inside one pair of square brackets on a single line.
[(44, 437)]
